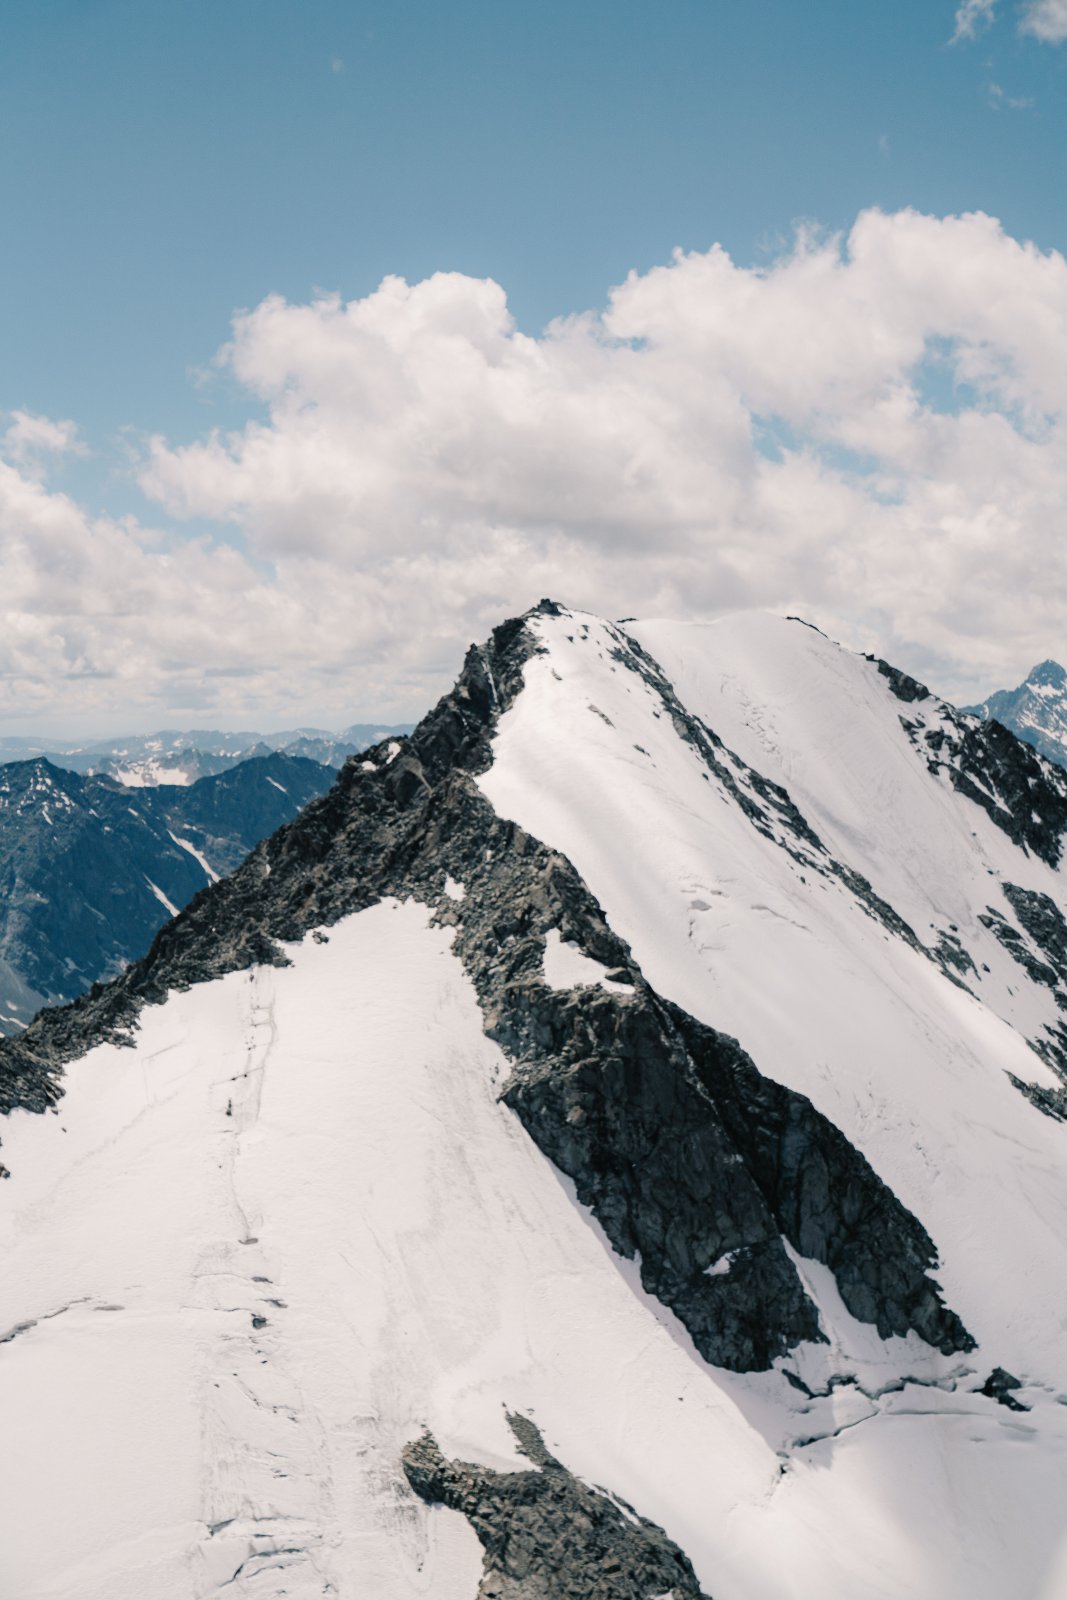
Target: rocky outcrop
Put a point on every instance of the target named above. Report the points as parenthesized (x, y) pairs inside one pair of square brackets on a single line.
[(1044, 922), (546, 1535), (1021, 952), (1020, 791), (905, 688), (1000, 1386), (1038, 944)]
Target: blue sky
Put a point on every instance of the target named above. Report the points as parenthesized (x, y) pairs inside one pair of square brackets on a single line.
[(166, 165), (166, 168)]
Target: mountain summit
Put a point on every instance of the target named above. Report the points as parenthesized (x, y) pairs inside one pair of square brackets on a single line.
[(610, 1146), (1036, 711)]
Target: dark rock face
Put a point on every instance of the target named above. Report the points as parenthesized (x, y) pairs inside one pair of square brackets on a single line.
[(1044, 922), (903, 687), (692, 1160), (79, 856), (1026, 797), (685, 1154), (1030, 803), (1038, 943), (953, 956), (999, 1386), (546, 1535), (1024, 794), (1018, 948)]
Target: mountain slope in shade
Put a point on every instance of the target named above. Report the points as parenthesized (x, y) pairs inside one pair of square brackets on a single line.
[(598, 1149), (1036, 711), (90, 870)]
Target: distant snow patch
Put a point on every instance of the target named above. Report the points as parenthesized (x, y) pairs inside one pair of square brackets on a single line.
[(454, 890), (161, 897), (565, 967), (151, 775), (185, 844), (281, 789)]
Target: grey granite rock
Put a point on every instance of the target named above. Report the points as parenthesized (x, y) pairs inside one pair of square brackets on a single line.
[(546, 1535)]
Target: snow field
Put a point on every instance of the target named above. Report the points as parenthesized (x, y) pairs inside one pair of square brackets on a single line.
[(326, 1136), (912, 1069)]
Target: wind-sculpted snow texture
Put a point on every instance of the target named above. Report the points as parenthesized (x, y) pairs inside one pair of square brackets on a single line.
[(687, 922)]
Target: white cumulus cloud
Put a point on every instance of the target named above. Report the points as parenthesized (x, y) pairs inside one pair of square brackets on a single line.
[(972, 16), (870, 430), (1045, 19), (29, 440)]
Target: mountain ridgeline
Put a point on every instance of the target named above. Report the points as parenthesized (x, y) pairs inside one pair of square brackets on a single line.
[(177, 756), (609, 1145)]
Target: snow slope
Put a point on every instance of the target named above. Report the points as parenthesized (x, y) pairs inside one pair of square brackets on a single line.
[(321, 1147), (912, 1068)]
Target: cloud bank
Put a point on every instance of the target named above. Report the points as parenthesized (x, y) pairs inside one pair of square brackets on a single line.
[(1045, 19), (870, 430), (972, 17), (1042, 19)]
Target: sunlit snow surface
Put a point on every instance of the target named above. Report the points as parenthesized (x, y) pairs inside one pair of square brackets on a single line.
[(326, 1136), (250, 1258), (910, 1067), (566, 967)]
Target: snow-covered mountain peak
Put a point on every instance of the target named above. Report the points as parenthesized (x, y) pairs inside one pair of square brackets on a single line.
[(1047, 675), (1036, 711), (612, 1116)]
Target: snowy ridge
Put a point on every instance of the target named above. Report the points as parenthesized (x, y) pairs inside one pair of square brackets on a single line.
[(344, 1236), (748, 939)]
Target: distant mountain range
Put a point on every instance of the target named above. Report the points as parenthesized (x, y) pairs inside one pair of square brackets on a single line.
[(181, 756), (1036, 711), (90, 871)]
